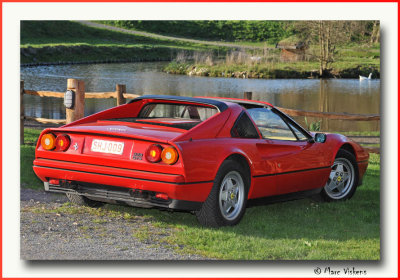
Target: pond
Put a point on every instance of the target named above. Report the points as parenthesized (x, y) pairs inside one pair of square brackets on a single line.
[(334, 95)]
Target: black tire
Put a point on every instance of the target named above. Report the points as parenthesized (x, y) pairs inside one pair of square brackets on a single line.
[(343, 179), (83, 201), (218, 211)]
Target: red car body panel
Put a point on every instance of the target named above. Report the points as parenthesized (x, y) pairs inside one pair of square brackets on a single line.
[(276, 166)]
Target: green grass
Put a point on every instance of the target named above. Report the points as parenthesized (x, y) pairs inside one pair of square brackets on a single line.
[(296, 230), (68, 33), (53, 41), (255, 31), (28, 177)]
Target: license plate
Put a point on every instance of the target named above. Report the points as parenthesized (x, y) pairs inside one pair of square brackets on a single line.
[(108, 147)]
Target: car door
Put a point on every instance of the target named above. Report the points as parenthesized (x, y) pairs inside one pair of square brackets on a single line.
[(288, 152)]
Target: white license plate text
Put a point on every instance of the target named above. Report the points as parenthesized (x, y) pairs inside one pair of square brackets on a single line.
[(108, 147)]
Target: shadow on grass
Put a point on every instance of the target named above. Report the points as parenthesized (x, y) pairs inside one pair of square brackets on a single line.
[(357, 218)]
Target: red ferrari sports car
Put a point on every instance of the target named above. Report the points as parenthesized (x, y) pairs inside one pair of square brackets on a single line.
[(211, 156)]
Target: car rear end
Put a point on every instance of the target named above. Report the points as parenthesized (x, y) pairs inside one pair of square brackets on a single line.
[(117, 161)]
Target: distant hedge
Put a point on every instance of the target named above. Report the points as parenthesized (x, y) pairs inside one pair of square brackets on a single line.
[(232, 30)]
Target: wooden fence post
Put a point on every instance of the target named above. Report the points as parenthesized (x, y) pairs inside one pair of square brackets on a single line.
[(22, 112), (78, 111), (248, 95), (120, 89)]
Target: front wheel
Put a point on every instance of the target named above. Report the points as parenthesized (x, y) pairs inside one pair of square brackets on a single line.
[(226, 203), (343, 179)]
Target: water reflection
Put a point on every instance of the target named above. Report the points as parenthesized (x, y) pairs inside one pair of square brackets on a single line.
[(351, 96)]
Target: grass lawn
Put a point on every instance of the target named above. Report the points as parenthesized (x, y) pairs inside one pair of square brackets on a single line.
[(28, 177), (296, 230), (68, 33), (53, 41)]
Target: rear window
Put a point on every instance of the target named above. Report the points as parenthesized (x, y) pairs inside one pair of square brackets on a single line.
[(176, 111), (184, 116)]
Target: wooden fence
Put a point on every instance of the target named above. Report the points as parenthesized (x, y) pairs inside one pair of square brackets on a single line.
[(120, 94)]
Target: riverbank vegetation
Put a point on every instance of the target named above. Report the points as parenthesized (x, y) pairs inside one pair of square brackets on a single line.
[(351, 62), (347, 230)]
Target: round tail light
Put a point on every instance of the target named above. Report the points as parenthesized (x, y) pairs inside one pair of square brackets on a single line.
[(153, 153), (169, 155), (62, 142), (48, 141)]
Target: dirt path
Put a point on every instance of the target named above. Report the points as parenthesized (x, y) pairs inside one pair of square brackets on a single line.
[(72, 234), (163, 37)]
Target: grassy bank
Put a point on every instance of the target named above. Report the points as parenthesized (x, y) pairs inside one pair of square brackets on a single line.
[(64, 41), (220, 30), (296, 230), (28, 177), (351, 61)]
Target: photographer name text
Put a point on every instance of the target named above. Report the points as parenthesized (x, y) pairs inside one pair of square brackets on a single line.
[(346, 271)]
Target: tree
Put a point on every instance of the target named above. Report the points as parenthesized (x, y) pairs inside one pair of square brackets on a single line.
[(376, 34), (329, 34), (326, 44)]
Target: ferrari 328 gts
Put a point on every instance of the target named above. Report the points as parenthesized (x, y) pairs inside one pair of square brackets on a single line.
[(210, 156)]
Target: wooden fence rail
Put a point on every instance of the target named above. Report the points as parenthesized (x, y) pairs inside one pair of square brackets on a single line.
[(331, 116), (103, 95), (121, 95)]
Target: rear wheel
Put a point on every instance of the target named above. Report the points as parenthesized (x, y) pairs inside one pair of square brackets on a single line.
[(82, 200), (226, 203), (343, 179)]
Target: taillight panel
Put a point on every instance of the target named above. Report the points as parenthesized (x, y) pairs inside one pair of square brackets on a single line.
[(52, 142), (169, 155), (62, 142), (156, 153), (48, 141), (153, 153)]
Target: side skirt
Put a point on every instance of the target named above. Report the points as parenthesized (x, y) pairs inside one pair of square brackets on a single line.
[(282, 197)]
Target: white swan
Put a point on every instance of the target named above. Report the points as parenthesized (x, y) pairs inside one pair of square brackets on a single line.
[(365, 78)]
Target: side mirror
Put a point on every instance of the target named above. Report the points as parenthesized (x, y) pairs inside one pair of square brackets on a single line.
[(320, 137)]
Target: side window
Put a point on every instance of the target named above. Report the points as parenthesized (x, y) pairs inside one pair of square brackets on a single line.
[(244, 128), (271, 125)]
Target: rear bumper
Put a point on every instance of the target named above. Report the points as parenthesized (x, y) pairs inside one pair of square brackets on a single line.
[(171, 184), (112, 194)]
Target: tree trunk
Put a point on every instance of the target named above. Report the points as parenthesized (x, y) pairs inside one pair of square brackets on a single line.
[(376, 34), (321, 49)]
